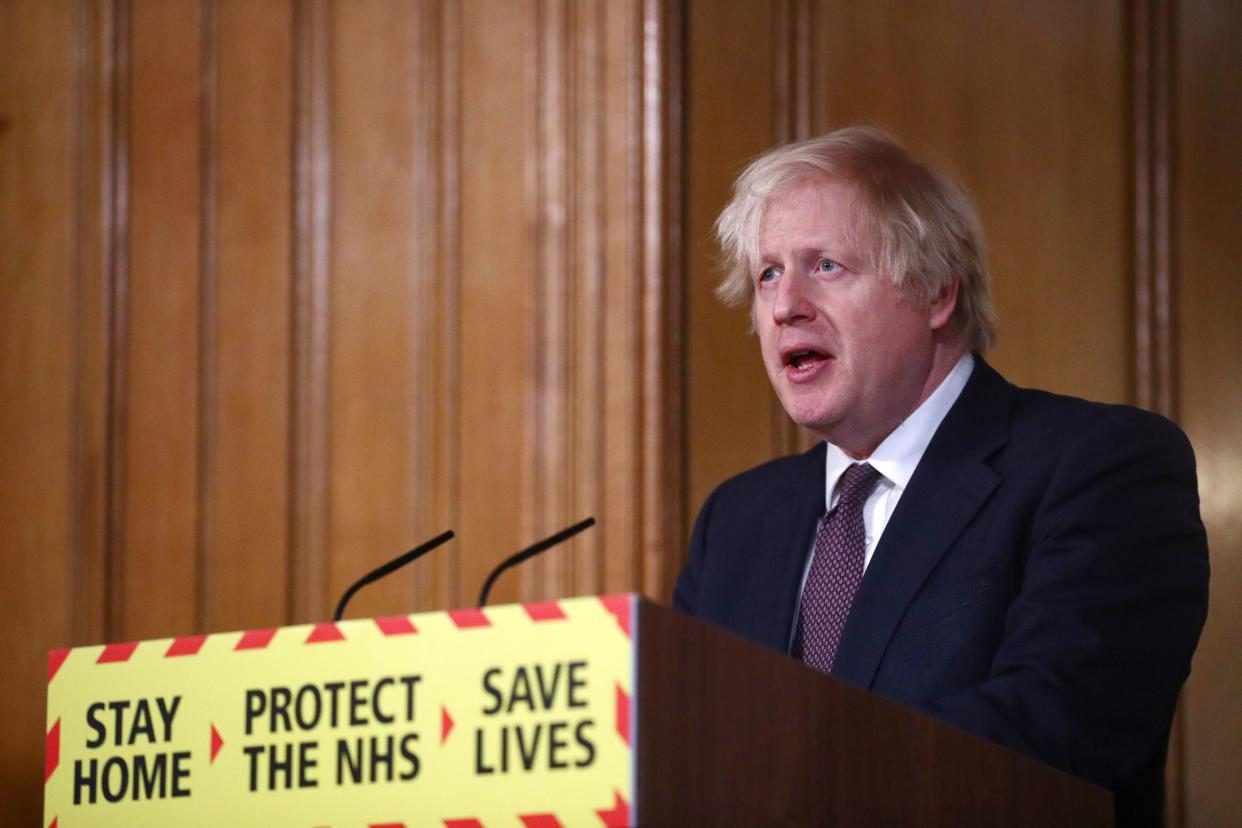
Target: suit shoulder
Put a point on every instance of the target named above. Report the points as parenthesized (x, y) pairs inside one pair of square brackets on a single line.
[(1053, 419)]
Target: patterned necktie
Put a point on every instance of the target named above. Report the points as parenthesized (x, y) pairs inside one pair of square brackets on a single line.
[(836, 571)]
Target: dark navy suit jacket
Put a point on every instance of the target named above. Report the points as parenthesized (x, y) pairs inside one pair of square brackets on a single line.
[(1041, 583)]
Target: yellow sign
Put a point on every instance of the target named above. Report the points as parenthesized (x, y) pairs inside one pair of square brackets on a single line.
[(516, 716)]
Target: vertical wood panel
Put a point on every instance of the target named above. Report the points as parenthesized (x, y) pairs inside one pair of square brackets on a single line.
[(93, 335), (663, 496), (585, 431), (312, 216), (117, 310), (1151, 54), (1208, 249), (497, 251), (620, 520), (567, 445), (162, 417), (434, 316), (371, 359), (37, 298), (555, 277), (208, 316), (248, 550), (802, 80)]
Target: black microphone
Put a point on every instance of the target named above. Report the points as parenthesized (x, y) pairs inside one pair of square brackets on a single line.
[(530, 552), (388, 568)]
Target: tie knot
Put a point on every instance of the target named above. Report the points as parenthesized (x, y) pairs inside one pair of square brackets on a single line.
[(856, 485)]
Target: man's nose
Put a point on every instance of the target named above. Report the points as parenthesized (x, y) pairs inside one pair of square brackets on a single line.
[(791, 303)]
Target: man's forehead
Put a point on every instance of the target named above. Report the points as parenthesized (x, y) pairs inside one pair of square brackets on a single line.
[(819, 210)]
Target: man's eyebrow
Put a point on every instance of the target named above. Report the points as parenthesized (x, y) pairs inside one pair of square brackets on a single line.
[(808, 251)]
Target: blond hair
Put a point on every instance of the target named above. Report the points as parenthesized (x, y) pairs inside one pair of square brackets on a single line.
[(923, 227)]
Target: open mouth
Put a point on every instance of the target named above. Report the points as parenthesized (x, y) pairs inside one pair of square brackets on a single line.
[(805, 359)]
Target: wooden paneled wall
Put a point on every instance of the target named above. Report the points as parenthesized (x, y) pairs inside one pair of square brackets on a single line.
[(1205, 195), (289, 285)]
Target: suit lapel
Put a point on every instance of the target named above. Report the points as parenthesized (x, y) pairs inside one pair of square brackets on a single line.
[(950, 485), (788, 528)]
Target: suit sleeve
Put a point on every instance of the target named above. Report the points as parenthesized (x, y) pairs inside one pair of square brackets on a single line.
[(1098, 642), (685, 592)]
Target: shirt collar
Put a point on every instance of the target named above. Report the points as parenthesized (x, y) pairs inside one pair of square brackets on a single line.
[(897, 456)]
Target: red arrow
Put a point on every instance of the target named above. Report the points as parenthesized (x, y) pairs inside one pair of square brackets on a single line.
[(216, 743), (446, 724)]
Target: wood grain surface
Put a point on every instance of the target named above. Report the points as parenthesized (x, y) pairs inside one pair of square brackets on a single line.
[(730, 733)]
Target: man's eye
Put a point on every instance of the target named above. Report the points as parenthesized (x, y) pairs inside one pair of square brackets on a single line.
[(827, 266), (768, 274)]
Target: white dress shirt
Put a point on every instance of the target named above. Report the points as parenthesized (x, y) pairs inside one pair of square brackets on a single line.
[(895, 458)]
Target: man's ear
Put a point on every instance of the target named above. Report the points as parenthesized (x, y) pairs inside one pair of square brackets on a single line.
[(942, 305)]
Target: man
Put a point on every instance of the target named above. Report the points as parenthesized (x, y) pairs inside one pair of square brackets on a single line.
[(1029, 567)]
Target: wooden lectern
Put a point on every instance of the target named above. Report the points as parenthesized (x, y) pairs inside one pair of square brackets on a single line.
[(730, 733)]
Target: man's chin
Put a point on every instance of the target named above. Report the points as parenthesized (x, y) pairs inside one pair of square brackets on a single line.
[(814, 408), (818, 422)]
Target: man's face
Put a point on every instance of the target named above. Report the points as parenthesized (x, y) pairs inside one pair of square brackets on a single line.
[(850, 356)]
